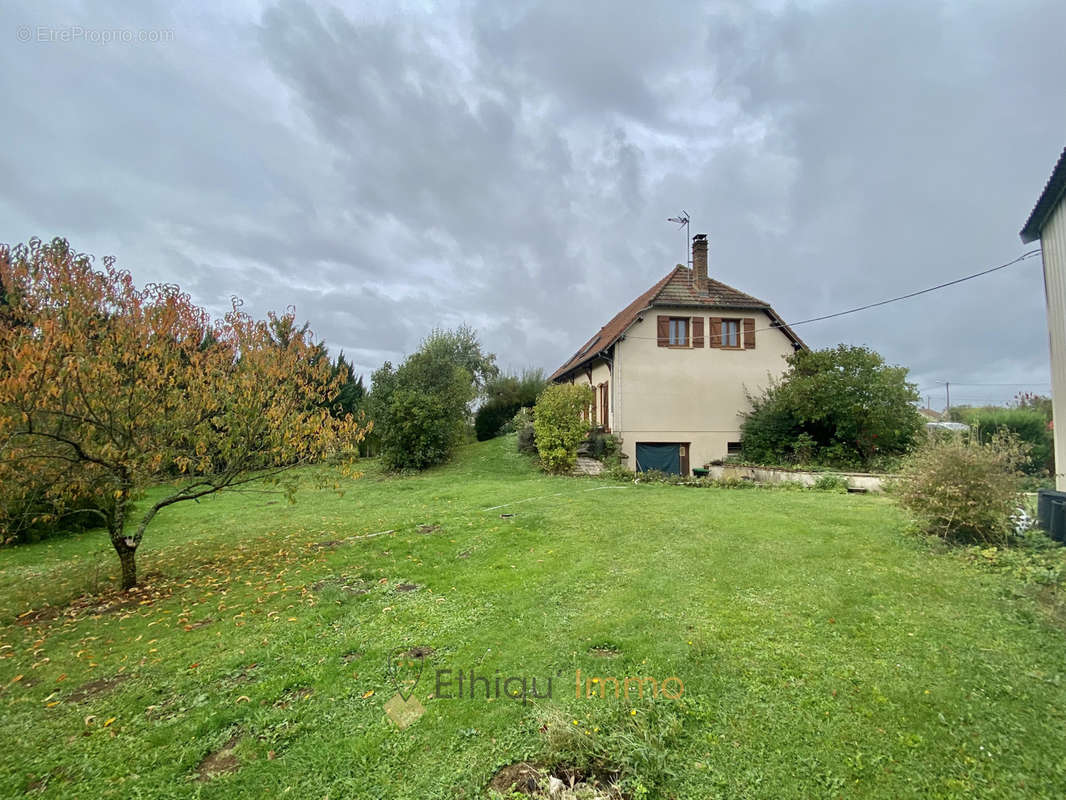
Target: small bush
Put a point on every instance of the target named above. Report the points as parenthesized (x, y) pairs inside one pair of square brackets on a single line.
[(602, 446), (964, 490), (559, 425), (831, 483), (522, 423)]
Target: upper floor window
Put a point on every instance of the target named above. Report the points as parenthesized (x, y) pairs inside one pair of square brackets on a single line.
[(678, 332), (730, 333)]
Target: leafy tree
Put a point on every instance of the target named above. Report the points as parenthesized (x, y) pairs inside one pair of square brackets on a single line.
[(504, 396), (421, 409), (841, 406), (105, 389), (559, 424), (462, 348), (351, 394)]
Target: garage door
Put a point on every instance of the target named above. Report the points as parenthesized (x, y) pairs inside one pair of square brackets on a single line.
[(663, 456)]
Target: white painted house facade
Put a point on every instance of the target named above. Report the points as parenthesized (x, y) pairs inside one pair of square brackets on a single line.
[(672, 372)]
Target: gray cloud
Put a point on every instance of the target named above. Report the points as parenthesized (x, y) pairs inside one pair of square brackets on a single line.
[(513, 165)]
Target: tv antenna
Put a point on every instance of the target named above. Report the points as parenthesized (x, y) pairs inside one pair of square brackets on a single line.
[(682, 221)]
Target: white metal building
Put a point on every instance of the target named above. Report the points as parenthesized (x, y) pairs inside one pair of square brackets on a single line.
[(1047, 223)]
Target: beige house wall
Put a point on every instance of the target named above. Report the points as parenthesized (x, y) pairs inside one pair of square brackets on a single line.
[(695, 395)]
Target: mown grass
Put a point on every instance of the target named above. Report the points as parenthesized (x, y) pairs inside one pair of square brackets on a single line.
[(823, 653)]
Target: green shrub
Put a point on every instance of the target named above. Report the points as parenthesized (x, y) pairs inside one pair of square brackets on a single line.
[(831, 483), (491, 417), (603, 446), (962, 489), (424, 416), (841, 407), (522, 423), (505, 396), (1028, 424), (559, 425)]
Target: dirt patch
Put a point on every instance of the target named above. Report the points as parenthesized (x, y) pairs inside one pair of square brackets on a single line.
[(464, 554), (222, 761), (604, 651), (203, 623), (428, 528), (561, 783), (87, 691), (407, 587), (293, 695), (39, 784), (113, 602), (242, 675), (520, 777), (350, 656), (420, 651)]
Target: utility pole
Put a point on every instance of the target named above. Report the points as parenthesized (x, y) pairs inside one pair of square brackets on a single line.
[(947, 390)]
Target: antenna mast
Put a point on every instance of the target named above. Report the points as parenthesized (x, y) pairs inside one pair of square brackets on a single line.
[(682, 221)]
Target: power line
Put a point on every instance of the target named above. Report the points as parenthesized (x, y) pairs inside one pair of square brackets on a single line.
[(907, 296)]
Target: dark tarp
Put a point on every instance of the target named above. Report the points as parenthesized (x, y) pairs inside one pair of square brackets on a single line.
[(663, 457)]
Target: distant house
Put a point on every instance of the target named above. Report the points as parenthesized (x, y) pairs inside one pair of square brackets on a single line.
[(672, 370), (1047, 222), (929, 415)]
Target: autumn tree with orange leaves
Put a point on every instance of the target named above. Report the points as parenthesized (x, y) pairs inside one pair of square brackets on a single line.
[(107, 389)]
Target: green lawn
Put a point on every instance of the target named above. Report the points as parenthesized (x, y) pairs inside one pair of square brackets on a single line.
[(822, 652)]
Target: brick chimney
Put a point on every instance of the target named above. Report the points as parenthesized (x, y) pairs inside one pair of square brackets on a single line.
[(699, 262)]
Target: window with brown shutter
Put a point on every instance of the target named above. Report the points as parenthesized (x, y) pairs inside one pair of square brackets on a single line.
[(697, 331), (749, 333), (730, 334), (715, 338), (663, 331), (678, 334)]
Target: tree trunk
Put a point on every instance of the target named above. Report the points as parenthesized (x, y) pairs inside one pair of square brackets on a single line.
[(127, 558)]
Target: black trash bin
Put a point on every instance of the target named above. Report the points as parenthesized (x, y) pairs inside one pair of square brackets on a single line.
[(1045, 499), (1057, 528)]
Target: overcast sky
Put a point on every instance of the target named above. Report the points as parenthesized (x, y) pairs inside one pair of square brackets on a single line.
[(512, 165)]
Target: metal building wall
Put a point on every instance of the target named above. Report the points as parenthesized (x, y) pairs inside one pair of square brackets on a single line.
[(1053, 245)]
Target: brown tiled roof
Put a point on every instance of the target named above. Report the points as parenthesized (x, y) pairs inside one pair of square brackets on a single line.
[(675, 289)]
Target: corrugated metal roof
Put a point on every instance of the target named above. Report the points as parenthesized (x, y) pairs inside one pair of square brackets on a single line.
[(1049, 200), (677, 288)]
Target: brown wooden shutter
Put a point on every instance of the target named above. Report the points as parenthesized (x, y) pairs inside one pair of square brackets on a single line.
[(697, 331), (749, 333), (664, 331), (714, 339)]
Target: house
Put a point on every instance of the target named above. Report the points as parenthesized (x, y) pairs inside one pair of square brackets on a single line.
[(929, 415), (673, 370), (1047, 222)]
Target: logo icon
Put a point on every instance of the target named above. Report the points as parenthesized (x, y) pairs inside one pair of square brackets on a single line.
[(403, 669)]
